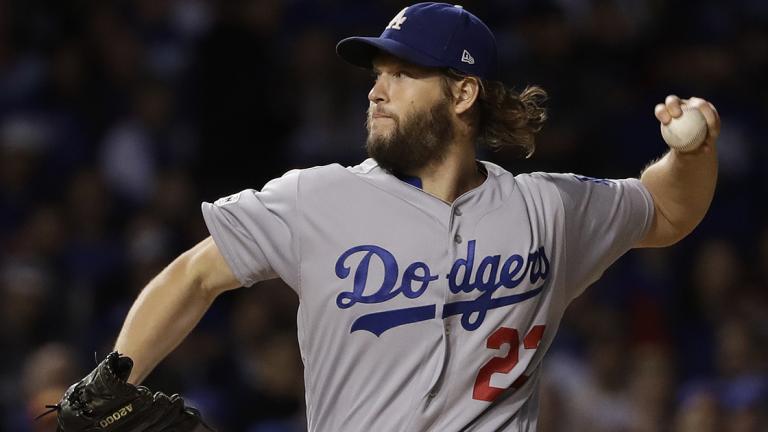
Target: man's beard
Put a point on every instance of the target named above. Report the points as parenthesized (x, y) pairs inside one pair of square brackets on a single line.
[(418, 140)]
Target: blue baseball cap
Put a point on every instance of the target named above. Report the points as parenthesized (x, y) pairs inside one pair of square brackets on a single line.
[(436, 35)]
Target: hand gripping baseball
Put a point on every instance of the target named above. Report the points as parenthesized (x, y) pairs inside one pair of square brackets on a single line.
[(104, 401), (686, 124)]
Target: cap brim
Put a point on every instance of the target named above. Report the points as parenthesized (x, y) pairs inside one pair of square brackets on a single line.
[(360, 51)]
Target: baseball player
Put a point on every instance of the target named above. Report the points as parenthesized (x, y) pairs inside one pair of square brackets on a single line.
[(431, 284)]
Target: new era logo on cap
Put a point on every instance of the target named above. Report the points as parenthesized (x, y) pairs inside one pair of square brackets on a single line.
[(436, 35), (466, 57)]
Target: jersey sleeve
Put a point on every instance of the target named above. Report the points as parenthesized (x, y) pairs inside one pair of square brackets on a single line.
[(256, 231), (603, 220)]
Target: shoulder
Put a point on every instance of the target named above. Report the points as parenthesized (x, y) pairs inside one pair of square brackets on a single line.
[(545, 186), (533, 179), (537, 190), (547, 178), (564, 182), (524, 183), (328, 172), (327, 177)]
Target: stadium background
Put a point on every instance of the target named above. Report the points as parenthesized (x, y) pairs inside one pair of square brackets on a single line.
[(118, 117)]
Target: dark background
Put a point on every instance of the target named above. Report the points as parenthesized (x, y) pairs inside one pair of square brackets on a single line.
[(118, 117)]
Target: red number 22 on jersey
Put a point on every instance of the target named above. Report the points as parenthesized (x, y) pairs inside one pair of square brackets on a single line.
[(483, 389)]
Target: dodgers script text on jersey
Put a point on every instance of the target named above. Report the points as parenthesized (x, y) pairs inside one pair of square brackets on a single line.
[(416, 314), (489, 276)]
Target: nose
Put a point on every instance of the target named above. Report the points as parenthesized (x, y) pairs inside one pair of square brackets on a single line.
[(378, 92)]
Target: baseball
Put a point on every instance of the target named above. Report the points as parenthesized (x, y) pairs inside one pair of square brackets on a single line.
[(687, 132)]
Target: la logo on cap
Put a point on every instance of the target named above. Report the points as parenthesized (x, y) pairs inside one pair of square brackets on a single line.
[(398, 20)]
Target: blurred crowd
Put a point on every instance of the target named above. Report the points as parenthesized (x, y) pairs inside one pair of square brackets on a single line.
[(117, 118)]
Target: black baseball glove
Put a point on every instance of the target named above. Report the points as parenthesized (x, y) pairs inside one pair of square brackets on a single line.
[(104, 401)]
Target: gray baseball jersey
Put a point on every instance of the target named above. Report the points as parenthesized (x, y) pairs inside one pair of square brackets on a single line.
[(418, 315)]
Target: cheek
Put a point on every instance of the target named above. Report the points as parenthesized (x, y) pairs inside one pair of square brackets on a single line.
[(417, 103), (402, 101), (405, 101), (406, 107)]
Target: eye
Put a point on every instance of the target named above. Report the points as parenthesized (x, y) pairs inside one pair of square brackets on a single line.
[(375, 75), (402, 74)]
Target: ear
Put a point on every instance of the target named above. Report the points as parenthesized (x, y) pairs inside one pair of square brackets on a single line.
[(466, 91)]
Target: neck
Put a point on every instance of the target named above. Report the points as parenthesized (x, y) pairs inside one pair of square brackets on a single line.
[(453, 175)]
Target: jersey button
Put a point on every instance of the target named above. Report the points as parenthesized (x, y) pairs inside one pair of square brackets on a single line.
[(457, 211), (457, 238), (432, 394)]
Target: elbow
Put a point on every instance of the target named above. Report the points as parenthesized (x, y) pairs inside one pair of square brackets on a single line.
[(682, 226), (205, 270), (187, 267), (672, 238), (676, 231), (666, 231), (656, 240)]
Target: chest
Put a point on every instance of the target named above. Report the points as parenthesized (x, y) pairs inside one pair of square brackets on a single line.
[(381, 262)]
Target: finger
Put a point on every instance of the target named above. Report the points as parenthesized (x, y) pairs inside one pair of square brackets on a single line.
[(710, 115), (161, 399), (717, 116), (660, 110), (673, 106)]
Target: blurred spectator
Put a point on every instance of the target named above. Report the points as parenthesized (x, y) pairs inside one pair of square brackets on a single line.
[(330, 126), (140, 146), (22, 145), (246, 97), (24, 290), (699, 412), (48, 372), (592, 394), (651, 388), (266, 354)]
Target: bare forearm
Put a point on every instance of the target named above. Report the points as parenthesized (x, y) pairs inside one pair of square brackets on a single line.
[(165, 312), (682, 186)]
